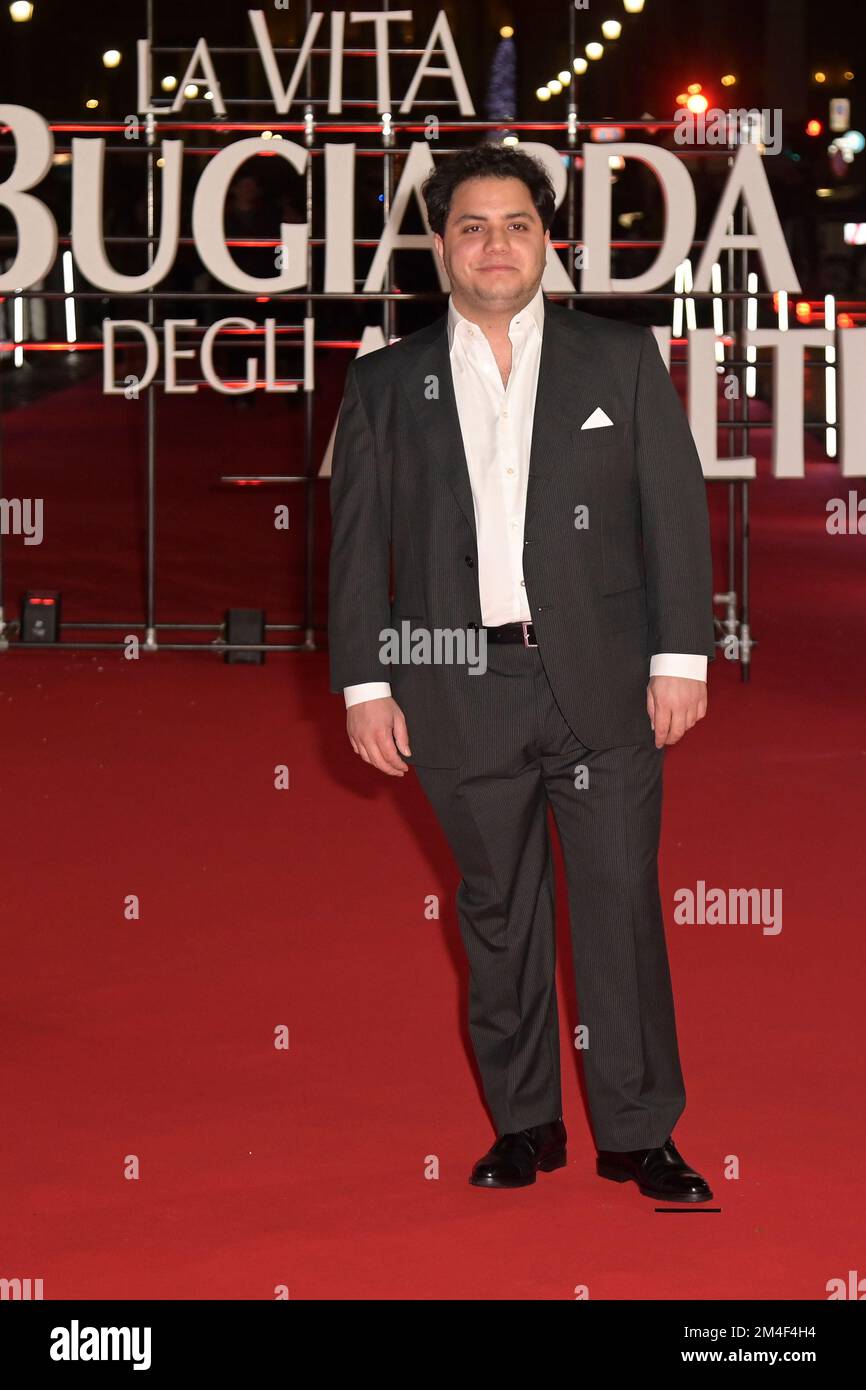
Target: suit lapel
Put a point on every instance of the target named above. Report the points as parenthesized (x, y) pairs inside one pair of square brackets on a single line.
[(429, 388)]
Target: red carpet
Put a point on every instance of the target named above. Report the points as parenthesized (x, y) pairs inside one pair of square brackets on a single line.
[(304, 908)]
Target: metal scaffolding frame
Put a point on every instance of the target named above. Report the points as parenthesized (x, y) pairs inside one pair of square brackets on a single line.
[(310, 129)]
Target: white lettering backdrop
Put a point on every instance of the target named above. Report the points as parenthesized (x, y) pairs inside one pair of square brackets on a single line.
[(746, 185)]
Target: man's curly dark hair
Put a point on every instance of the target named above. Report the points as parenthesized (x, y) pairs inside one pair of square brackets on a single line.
[(486, 160)]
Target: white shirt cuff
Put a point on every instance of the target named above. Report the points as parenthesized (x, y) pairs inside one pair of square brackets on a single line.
[(679, 664), (664, 664), (369, 690)]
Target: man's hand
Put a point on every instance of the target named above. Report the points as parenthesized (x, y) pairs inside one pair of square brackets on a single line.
[(674, 704), (376, 730)]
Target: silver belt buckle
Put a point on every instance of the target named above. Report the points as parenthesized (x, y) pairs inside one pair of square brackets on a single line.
[(526, 641)]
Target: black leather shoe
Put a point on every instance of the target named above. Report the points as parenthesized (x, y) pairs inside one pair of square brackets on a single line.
[(659, 1173), (514, 1159)]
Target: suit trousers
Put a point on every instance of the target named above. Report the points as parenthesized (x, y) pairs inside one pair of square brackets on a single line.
[(606, 803)]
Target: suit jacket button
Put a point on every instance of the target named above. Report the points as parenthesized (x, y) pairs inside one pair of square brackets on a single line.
[(469, 560)]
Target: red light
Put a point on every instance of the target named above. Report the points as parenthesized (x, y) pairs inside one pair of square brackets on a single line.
[(48, 602), (814, 128), (804, 311)]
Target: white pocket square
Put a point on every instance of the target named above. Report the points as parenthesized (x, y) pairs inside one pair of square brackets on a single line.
[(597, 418)]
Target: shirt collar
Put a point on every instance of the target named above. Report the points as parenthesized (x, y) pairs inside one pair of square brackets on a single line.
[(534, 311)]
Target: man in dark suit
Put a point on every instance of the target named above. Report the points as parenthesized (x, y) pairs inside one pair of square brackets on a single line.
[(531, 472)]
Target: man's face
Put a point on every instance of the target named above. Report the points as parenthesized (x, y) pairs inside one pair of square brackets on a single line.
[(494, 246)]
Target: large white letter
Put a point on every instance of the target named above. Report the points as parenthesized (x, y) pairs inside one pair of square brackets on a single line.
[(282, 99), (381, 19), (207, 79), (339, 218), (36, 228), (109, 327), (208, 215), (679, 196), (442, 32), (418, 164), (703, 393), (749, 181), (852, 363), (788, 390), (208, 369), (556, 275), (88, 246)]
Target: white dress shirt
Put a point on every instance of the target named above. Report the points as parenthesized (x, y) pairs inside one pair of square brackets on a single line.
[(496, 425)]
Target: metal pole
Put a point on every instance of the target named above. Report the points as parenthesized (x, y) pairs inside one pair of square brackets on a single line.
[(150, 638), (745, 647), (572, 136), (309, 461)]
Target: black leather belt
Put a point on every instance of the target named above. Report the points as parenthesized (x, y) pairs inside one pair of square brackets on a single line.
[(512, 632)]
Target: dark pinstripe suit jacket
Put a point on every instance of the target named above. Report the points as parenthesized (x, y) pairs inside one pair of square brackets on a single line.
[(604, 598)]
